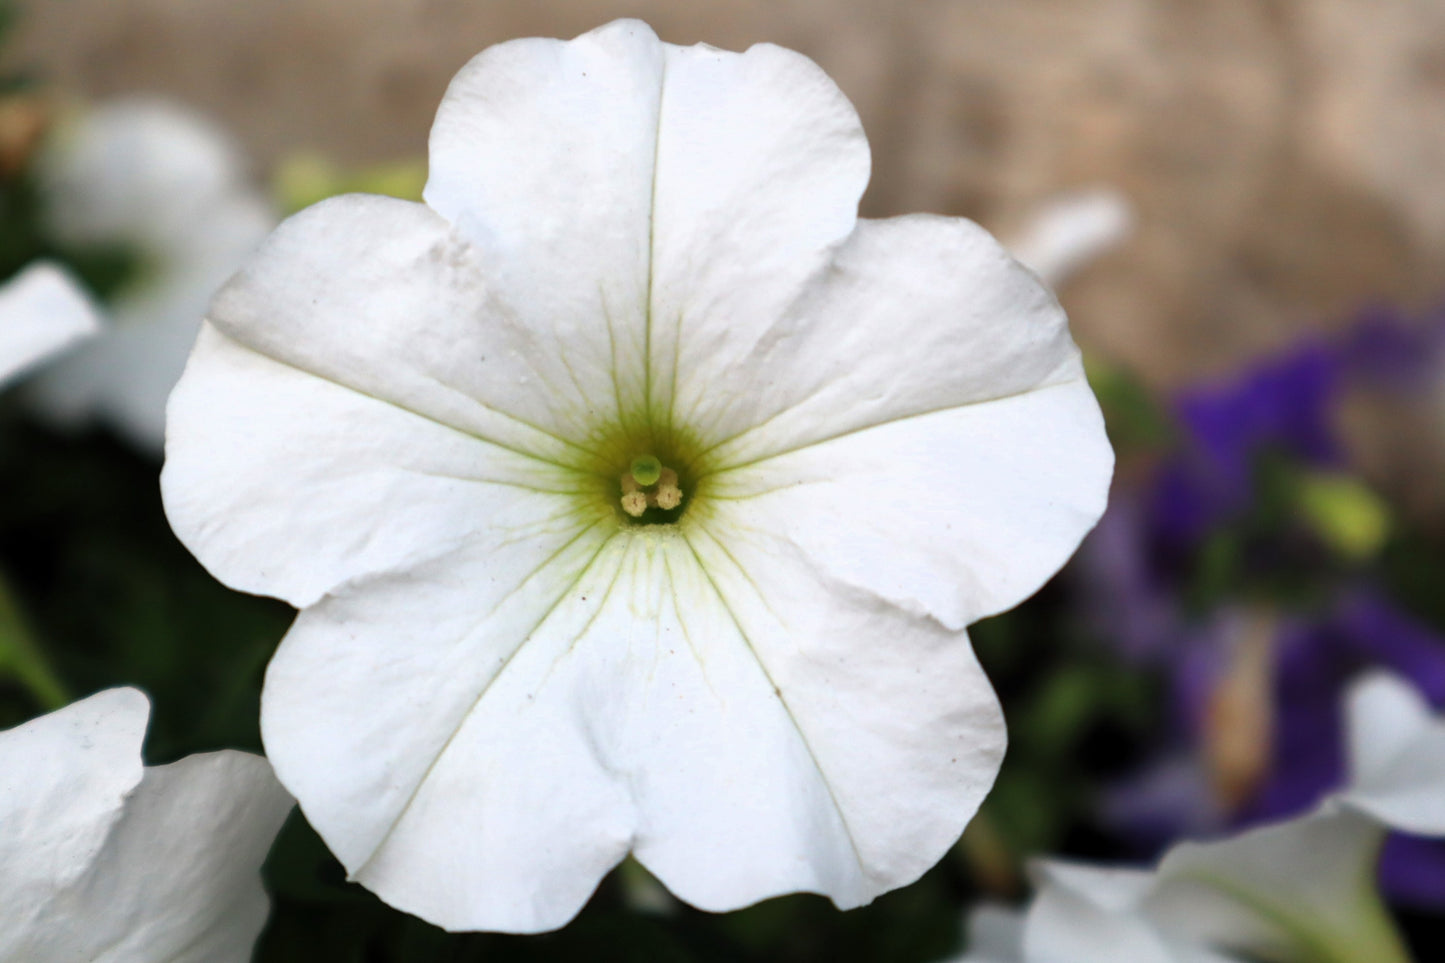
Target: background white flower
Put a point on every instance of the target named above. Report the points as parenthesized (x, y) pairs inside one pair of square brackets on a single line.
[(167, 185), (422, 425), (107, 861), (43, 311), (1301, 891), (1067, 231)]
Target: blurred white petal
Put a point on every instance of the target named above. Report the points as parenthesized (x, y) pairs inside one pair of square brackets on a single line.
[(158, 180), (1280, 891), (1397, 756), (995, 935), (43, 311), (1068, 231)]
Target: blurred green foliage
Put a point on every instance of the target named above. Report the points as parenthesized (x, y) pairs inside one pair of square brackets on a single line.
[(303, 179)]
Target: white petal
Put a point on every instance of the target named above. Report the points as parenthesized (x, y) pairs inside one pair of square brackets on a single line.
[(956, 488), (1116, 889), (63, 780), (1084, 914), (542, 155), (483, 764), (1283, 891), (900, 724), (917, 314), (43, 310), (761, 161), (958, 514), (1066, 923), (406, 715), (730, 806), (351, 452), (179, 878), (1384, 715), (1397, 756), (1280, 891), (382, 296), (1070, 230), (650, 208)]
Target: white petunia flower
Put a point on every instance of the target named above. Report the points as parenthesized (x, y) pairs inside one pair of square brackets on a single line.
[(636, 493), (1301, 891), (1298, 891), (104, 860), (43, 311), (155, 179)]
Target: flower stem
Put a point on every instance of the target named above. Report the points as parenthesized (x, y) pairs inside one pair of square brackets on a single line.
[(989, 859), (21, 656)]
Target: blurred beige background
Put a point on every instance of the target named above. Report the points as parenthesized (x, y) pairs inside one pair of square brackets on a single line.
[(1286, 158)]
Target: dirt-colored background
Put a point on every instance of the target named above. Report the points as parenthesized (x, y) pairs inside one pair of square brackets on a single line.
[(1286, 157)]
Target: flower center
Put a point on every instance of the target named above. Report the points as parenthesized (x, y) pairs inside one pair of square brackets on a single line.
[(647, 478), (648, 483)]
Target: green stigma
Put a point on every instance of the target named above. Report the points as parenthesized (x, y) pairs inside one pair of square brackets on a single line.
[(646, 470)]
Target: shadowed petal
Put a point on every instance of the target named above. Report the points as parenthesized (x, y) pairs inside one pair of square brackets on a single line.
[(64, 778), (179, 878), (1085, 914), (1284, 890), (1397, 756)]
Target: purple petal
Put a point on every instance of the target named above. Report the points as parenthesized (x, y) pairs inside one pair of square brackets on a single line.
[(1412, 871)]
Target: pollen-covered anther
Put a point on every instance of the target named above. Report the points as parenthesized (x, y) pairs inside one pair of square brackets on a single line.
[(634, 499), (667, 496)]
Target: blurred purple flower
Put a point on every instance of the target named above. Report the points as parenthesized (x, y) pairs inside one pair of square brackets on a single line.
[(1287, 404), (1284, 404), (1314, 661), (1125, 595), (1134, 568), (1385, 350), (1412, 869)]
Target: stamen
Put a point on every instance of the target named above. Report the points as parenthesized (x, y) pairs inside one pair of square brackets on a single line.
[(634, 500), (668, 495), (649, 485)]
